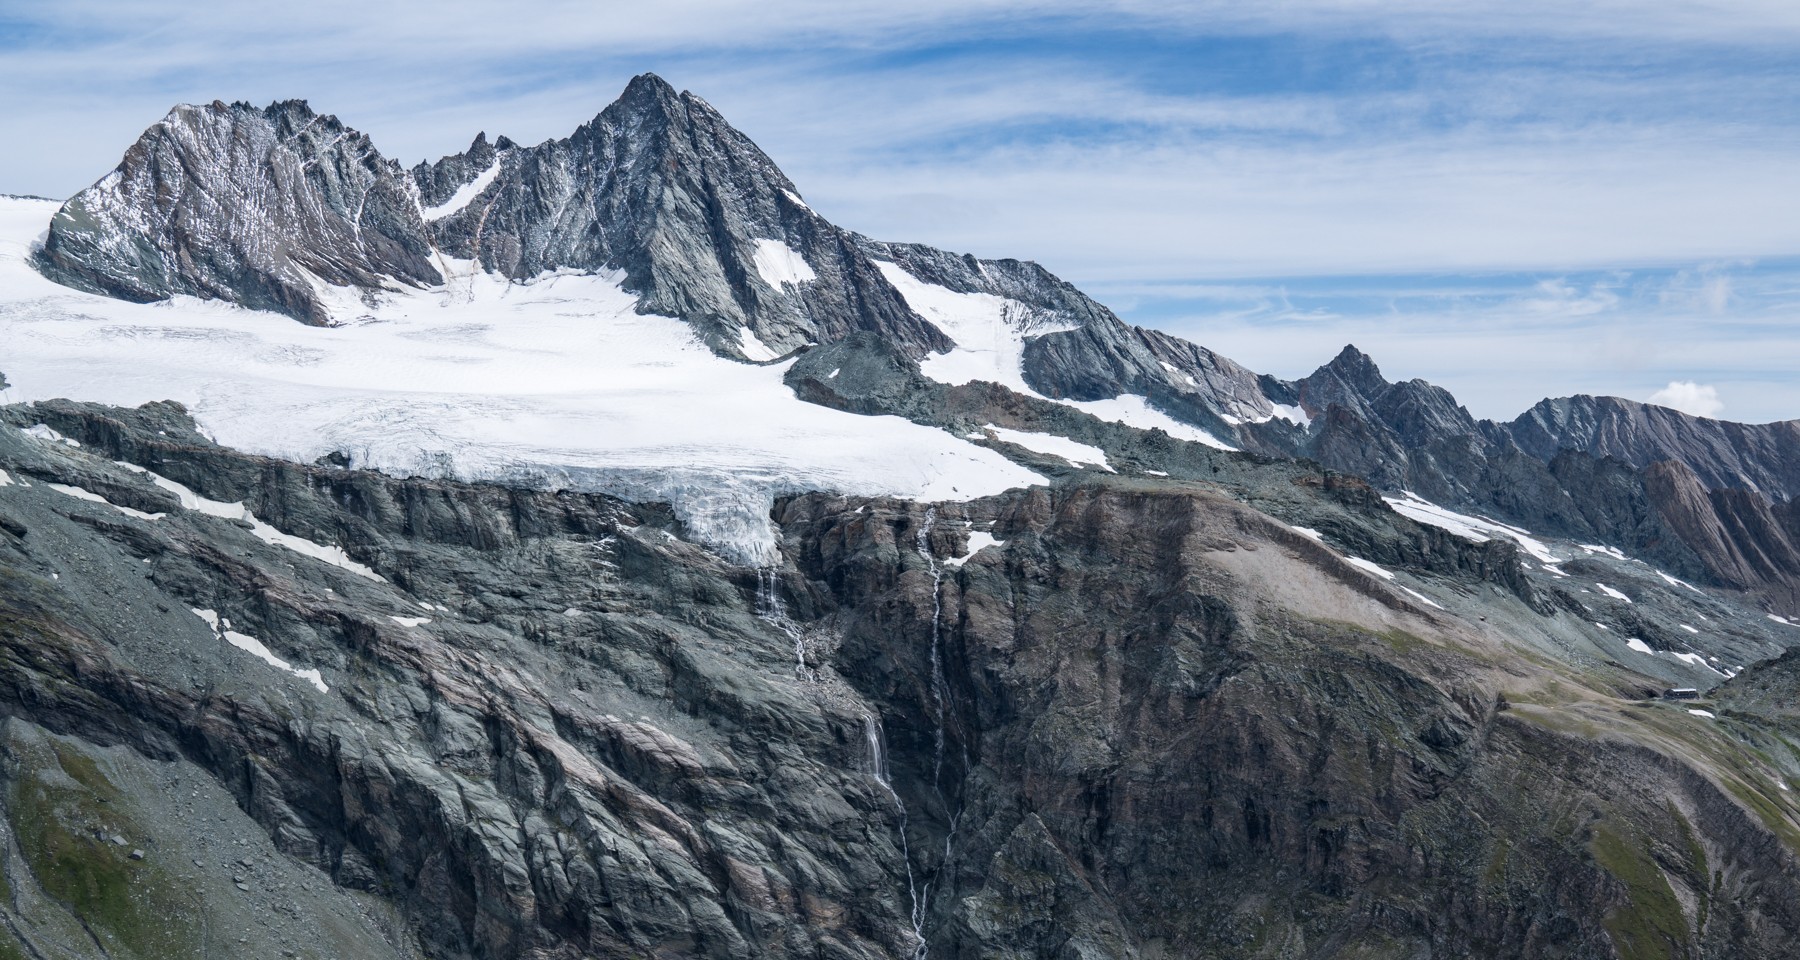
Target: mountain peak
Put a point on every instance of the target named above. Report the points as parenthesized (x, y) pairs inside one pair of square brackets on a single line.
[(648, 84), (247, 204)]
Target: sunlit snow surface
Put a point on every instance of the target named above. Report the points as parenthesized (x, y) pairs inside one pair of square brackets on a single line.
[(555, 383), (1076, 453), (464, 194), (781, 264), (1477, 529), (1136, 411), (990, 334)]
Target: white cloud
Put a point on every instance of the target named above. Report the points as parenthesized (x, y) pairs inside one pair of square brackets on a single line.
[(1696, 399)]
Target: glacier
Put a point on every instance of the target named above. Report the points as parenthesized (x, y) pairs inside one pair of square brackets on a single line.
[(554, 383)]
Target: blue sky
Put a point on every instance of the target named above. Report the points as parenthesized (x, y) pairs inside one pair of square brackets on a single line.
[(1512, 199)]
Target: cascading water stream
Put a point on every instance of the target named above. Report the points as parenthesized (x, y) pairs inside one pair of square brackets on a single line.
[(937, 664), (940, 695), (770, 609), (878, 768)]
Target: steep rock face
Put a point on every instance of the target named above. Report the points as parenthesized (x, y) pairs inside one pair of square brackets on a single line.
[(260, 207), (1746, 540), (1148, 721), (1761, 457), (701, 222), (1112, 742), (439, 182), (1077, 349), (546, 729)]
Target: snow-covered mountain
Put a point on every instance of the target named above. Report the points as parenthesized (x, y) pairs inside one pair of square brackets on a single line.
[(1013, 630), (659, 208)]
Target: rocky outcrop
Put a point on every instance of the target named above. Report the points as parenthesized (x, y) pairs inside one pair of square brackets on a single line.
[(704, 226), (268, 208), (1113, 742), (1149, 720)]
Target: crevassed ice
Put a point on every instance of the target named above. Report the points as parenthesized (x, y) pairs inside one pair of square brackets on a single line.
[(558, 382)]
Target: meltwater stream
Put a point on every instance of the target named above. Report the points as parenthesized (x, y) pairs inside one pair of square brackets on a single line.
[(770, 609), (940, 694)]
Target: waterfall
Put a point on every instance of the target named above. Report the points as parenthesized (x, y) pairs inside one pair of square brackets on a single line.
[(938, 687), (770, 609), (878, 768), (878, 762), (940, 698)]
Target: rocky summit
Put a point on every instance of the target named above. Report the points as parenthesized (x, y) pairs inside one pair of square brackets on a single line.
[(1121, 650)]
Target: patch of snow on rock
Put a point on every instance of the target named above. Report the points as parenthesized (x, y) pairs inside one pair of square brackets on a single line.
[(1639, 645), (1373, 568), (989, 331), (1616, 595), (1477, 529), (780, 264), (251, 645), (978, 541), (753, 347), (265, 532), (1049, 444), (1416, 595), (1136, 411), (92, 497), (1708, 714), (1674, 582), (464, 194), (1292, 413), (44, 432), (1697, 660)]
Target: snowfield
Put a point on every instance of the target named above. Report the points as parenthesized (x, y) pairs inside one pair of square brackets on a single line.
[(554, 383), (1476, 529), (990, 334)]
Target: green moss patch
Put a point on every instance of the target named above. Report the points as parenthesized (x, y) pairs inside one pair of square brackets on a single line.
[(1650, 926), (58, 801)]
